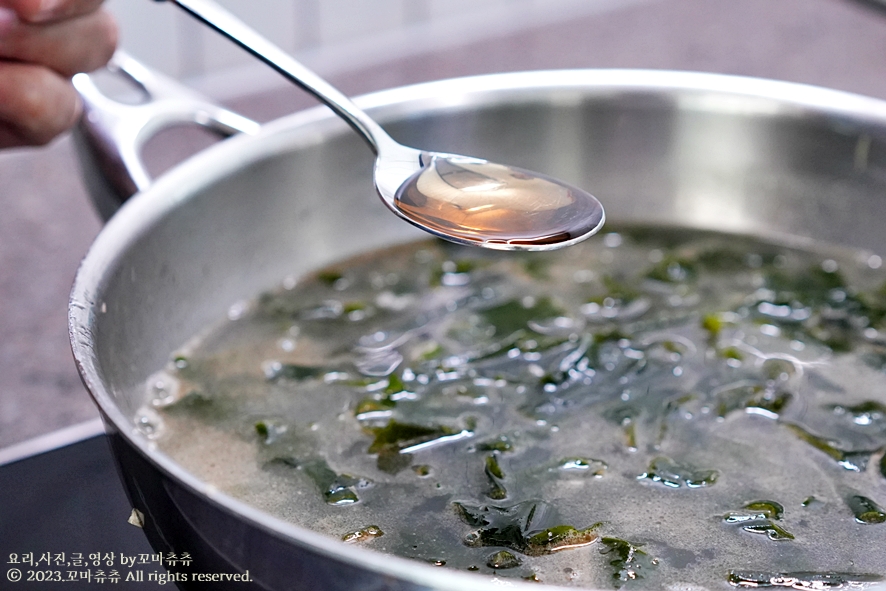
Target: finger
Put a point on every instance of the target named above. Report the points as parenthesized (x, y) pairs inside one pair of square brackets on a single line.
[(81, 44), (41, 11), (36, 105)]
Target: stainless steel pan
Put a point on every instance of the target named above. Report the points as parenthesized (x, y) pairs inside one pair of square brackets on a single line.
[(710, 151)]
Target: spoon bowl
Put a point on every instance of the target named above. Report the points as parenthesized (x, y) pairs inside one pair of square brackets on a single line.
[(458, 198), (477, 202)]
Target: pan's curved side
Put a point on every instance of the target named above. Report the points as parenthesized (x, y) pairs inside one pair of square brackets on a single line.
[(707, 151)]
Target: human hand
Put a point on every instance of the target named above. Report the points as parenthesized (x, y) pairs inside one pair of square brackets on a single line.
[(42, 44)]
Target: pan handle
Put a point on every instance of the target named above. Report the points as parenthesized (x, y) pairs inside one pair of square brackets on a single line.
[(111, 134)]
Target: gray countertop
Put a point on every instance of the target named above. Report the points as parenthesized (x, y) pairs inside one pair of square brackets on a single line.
[(47, 223)]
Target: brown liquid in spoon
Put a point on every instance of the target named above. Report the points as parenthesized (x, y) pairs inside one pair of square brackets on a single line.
[(488, 203)]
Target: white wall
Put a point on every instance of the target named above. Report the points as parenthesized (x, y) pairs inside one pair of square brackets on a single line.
[(328, 35), (161, 35)]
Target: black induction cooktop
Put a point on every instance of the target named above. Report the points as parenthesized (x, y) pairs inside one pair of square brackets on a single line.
[(64, 523)]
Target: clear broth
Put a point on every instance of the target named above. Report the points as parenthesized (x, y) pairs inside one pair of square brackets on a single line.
[(651, 408)]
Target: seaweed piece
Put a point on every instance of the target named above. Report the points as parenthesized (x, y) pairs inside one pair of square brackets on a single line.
[(772, 402), (403, 435), (193, 400), (499, 443), (269, 430), (381, 405), (773, 531), (673, 269), (865, 510), (560, 537), (713, 323), (362, 535), (602, 339), (370, 407), (624, 415), (513, 315), (422, 470), (453, 272), (770, 509), (630, 432), (293, 371), (501, 526), (835, 330), (502, 560), (629, 561), (428, 351), (811, 287), (354, 306), (863, 413), (850, 460), (803, 581), (873, 306), (671, 408), (618, 291), (496, 478), (820, 443), (815, 304), (752, 397), (528, 527), (286, 460), (329, 276), (757, 510), (731, 353), (610, 335), (395, 385), (672, 475), (392, 461), (337, 489), (395, 441)]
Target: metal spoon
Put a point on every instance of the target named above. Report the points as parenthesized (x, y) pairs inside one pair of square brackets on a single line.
[(458, 198)]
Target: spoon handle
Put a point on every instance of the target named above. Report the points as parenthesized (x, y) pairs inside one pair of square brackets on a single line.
[(237, 31)]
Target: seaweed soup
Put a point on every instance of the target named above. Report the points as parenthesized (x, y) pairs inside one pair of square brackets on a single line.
[(653, 408)]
